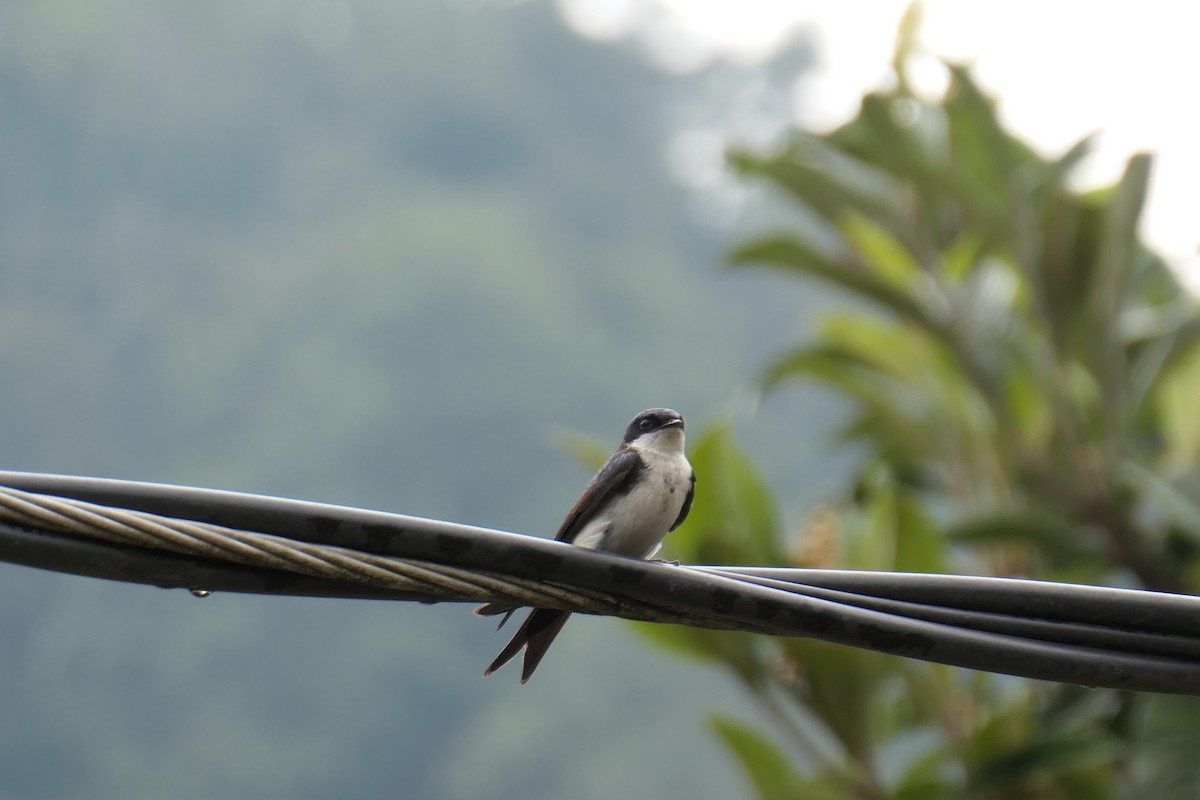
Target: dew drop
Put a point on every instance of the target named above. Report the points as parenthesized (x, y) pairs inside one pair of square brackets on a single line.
[(202, 592)]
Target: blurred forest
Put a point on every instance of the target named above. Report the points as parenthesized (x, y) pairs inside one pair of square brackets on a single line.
[(368, 253)]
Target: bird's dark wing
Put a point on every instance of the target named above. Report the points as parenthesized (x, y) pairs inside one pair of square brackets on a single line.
[(535, 635), (687, 503), (613, 480)]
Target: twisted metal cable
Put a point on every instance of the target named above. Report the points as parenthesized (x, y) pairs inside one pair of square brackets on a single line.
[(227, 541), (428, 581)]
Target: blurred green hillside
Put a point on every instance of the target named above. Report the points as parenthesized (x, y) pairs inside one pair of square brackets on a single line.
[(370, 253)]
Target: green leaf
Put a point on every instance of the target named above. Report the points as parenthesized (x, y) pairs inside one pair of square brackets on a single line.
[(1115, 261), (769, 769), (960, 256), (1074, 156), (890, 348), (734, 518), (839, 685), (911, 152), (884, 419), (1057, 536), (789, 253), (1176, 403), (920, 543), (1121, 229), (926, 777), (906, 41), (1024, 394), (1160, 494), (1050, 755), (979, 141), (880, 251), (1156, 355), (827, 180), (890, 529)]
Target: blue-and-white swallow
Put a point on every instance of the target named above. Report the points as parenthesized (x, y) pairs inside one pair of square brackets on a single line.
[(642, 493)]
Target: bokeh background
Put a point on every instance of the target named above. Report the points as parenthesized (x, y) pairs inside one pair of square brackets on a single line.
[(391, 255)]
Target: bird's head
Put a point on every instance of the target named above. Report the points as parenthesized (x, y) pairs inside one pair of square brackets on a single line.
[(659, 429)]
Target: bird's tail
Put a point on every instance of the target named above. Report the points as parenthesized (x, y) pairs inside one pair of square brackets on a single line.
[(495, 609), (536, 634)]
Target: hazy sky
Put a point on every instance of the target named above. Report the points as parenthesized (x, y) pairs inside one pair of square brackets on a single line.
[(1061, 69)]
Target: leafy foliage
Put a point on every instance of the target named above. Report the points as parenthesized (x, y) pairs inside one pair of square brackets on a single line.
[(1033, 354), (1023, 373)]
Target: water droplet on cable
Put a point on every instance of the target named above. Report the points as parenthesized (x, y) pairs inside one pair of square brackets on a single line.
[(202, 592)]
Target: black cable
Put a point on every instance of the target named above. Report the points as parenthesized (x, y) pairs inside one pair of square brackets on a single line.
[(1093, 636), (1161, 612), (1064, 632)]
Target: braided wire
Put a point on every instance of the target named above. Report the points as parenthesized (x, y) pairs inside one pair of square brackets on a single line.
[(206, 540)]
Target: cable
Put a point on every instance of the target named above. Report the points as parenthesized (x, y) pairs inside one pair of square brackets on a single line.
[(228, 541)]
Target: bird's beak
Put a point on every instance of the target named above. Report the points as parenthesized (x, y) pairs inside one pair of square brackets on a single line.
[(674, 422)]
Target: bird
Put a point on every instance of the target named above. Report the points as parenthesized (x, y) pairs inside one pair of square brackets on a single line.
[(643, 492)]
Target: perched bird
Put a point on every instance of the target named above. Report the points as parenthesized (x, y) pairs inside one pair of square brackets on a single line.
[(642, 493)]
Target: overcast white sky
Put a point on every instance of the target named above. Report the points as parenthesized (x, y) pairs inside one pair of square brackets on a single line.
[(1061, 68)]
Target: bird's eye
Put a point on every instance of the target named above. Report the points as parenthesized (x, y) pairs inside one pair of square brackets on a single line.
[(646, 424)]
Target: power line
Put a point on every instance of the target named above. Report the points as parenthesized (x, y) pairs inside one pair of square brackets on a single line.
[(209, 540)]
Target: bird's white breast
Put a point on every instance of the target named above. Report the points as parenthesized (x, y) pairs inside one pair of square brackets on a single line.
[(635, 524)]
